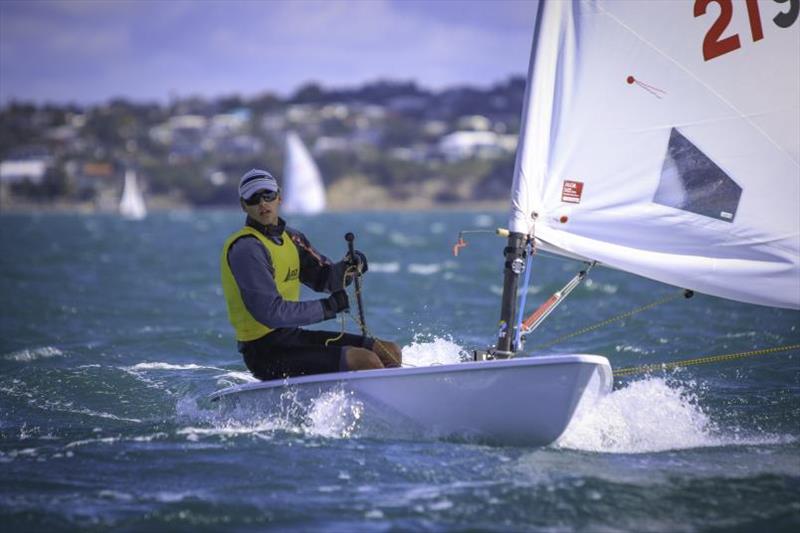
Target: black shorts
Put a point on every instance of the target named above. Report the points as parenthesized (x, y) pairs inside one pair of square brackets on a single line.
[(287, 352)]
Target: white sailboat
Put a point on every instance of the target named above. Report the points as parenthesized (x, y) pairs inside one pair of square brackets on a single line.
[(131, 205), (303, 190), (646, 146)]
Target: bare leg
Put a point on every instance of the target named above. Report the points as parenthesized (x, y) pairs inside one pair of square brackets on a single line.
[(388, 352), (361, 359)]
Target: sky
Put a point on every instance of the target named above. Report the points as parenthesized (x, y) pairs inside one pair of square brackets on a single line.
[(89, 51)]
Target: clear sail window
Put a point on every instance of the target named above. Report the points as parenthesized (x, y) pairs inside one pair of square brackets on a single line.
[(691, 181)]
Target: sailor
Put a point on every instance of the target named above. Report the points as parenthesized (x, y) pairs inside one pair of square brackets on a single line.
[(263, 265)]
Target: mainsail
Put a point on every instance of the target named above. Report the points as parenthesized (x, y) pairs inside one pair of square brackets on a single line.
[(131, 205), (303, 189), (655, 143)]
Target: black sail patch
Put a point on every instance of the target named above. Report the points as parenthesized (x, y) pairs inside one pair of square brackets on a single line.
[(691, 181)]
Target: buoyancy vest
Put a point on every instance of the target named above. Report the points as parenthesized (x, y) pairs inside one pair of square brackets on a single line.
[(285, 262)]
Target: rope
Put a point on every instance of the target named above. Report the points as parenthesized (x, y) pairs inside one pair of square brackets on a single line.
[(609, 321), (339, 336), (630, 371), (633, 370), (347, 272), (376, 342)]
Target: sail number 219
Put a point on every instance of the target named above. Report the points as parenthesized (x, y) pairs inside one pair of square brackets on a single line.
[(714, 45)]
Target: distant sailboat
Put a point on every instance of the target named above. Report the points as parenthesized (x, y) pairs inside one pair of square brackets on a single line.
[(303, 189), (131, 206)]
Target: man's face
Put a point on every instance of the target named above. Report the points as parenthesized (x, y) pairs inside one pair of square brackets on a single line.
[(265, 211)]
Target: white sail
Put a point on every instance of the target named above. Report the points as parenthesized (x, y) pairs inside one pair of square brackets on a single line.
[(132, 205), (303, 189), (654, 143)]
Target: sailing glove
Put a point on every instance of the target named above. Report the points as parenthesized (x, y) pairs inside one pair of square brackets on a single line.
[(338, 280), (335, 303), (360, 261), (337, 277)]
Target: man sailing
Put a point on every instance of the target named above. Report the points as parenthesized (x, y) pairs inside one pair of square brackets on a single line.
[(262, 267)]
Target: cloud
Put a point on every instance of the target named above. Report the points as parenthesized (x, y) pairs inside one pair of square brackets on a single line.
[(92, 50)]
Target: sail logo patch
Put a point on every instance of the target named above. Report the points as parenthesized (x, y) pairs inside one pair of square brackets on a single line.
[(571, 191)]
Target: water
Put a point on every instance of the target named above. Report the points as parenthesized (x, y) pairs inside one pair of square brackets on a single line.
[(114, 332)]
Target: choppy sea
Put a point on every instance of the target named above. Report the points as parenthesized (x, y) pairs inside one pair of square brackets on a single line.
[(113, 333)]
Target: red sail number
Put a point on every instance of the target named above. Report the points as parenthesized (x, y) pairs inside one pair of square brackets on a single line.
[(713, 45)]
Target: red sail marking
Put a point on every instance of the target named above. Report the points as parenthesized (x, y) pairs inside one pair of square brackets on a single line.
[(655, 91)]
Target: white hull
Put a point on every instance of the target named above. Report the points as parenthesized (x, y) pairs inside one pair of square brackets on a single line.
[(524, 401)]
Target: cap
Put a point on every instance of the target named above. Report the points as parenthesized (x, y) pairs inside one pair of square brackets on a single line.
[(256, 180)]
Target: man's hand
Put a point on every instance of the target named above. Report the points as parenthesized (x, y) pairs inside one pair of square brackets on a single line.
[(360, 261), (335, 303)]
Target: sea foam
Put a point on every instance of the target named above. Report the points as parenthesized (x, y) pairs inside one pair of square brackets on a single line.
[(32, 354), (651, 415), (332, 414), (169, 366), (437, 351)]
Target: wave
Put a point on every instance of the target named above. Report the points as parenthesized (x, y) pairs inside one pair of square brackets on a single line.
[(386, 268), (405, 241), (652, 415), (593, 286), (235, 377), (85, 411), (483, 221), (376, 228), (169, 366), (424, 269), (32, 354), (19, 389), (437, 228)]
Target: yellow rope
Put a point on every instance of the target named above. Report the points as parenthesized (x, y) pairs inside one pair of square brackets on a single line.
[(629, 371), (608, 321), (376, 342), (339, 336), (347, 271)]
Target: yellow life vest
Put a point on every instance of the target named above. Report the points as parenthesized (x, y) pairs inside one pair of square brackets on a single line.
[(285, 261)]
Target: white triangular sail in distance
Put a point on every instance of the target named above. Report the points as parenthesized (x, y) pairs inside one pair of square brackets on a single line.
[(653, 145), (132, 206), (303, 189)]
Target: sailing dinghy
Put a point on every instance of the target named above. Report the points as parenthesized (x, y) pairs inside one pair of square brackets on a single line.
[(131, 205), (303, 190), (649, 144)]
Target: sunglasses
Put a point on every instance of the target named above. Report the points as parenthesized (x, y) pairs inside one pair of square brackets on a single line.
[(268, 196)]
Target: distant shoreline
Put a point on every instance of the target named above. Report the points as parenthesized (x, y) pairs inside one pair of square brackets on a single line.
[(161, 204)]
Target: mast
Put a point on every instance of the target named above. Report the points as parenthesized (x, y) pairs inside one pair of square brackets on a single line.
[(514, 266)]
